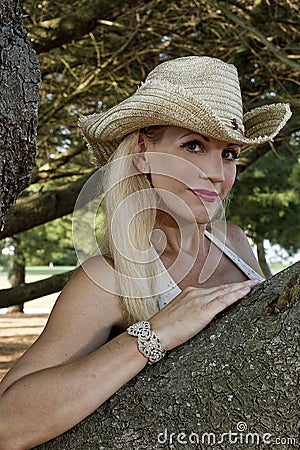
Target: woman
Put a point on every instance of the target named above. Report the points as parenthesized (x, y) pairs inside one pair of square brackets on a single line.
[(173, 147)]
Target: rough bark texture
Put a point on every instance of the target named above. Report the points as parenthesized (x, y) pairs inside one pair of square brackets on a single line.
[(17, 274), (19, 97), (239, 375)]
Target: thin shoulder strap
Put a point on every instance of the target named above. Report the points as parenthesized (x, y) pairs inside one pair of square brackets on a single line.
[(239, 262)]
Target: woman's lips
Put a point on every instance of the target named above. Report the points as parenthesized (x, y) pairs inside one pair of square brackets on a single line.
[(204, 194)]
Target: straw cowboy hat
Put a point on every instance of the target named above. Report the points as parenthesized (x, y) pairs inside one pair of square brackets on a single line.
[(201, 94)]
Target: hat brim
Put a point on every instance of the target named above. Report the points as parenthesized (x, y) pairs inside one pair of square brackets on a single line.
[(166, 104)]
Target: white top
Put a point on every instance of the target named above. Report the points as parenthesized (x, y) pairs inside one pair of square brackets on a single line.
[(174, 289)]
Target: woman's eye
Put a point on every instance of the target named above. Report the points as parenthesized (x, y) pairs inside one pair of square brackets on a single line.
[(230, 154), (192, 146)]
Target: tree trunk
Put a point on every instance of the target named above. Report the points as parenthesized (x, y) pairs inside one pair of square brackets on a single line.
[(261, 255), (19, 97), (17, 274), (15, 309), (234, 385)]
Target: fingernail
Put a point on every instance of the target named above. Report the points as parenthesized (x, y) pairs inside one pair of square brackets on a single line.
[(255, 280), (246, 289)]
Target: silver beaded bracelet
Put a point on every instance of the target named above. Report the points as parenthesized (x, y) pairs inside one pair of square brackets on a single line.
[(148, 342)]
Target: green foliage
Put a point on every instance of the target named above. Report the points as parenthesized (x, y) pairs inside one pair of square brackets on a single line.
[(89, 228), (265, 199), (6, 252), (49, 243)]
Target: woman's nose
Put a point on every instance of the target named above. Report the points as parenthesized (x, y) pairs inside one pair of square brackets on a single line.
[(213, 169)]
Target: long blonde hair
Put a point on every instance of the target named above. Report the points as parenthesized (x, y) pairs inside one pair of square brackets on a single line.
[(131, 206)]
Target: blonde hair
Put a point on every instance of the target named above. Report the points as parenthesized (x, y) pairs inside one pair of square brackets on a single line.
[(131, 199)]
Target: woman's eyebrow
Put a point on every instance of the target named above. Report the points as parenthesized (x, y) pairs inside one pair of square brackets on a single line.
[(206, 138), (198, 134)]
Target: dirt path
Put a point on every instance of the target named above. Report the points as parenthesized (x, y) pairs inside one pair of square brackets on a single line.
[(17, 333)]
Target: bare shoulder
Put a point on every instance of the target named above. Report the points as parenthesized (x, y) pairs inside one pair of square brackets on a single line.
[(238, 242), (90, 293), (80, 322), (228, 230), (235, 235)]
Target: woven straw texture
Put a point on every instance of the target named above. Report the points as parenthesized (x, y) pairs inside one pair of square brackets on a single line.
[(201, 94)]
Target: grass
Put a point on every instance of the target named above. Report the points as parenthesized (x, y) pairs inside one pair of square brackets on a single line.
[(43, 304), (278, 267)]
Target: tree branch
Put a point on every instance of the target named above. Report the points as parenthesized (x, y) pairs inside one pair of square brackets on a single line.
[(241, 370), (47, 170), (28, 212), (58, 31), (279, 54), (30, 291)]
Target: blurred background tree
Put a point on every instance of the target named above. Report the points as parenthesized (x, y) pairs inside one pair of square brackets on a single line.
[(94, 53)]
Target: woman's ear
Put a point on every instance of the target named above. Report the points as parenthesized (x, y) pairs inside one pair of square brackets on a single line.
[(141, 163), (142, 142), (140, 159)]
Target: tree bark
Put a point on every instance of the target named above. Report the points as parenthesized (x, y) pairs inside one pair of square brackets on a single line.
[(17, 274), (239, 375), (19, 98), (261, 255)]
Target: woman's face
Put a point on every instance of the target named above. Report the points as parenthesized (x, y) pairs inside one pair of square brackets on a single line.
[(190, 172)]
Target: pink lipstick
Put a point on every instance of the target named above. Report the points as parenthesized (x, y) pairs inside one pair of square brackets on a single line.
[(205, 195)]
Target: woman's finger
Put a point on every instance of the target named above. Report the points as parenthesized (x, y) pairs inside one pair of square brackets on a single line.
[(226, 298), (227, 288)]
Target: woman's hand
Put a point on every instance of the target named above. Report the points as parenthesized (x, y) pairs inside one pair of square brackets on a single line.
[(193, 309)]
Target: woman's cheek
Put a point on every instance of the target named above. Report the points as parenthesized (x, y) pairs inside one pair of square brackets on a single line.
[(172, 172), (230, 175)]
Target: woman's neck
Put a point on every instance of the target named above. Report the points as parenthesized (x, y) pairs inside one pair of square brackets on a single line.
[(172, 237)]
